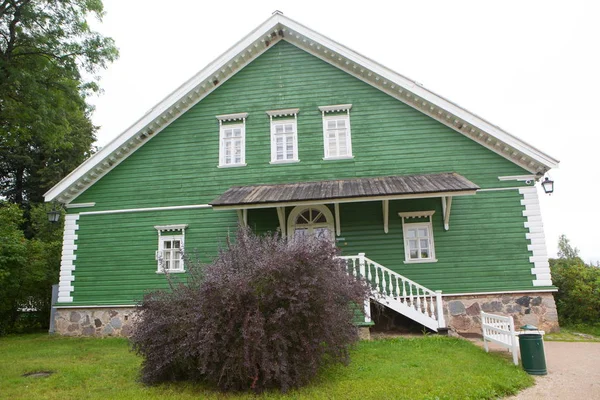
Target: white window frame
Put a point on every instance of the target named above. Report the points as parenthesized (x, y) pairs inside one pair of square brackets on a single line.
[(323, 209), (336, 117), (278, 117), (165, 235), (408, 225), (226, 122)]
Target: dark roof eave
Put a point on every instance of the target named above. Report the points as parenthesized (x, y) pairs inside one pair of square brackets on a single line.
[(332, 200)]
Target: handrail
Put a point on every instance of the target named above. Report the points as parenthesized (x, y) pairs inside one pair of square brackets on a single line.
[(396, 288)]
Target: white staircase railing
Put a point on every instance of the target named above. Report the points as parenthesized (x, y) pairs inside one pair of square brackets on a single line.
[(398, 292)]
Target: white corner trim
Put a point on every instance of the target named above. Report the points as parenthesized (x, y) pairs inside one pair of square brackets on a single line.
[(232, 117), (80, 205), (537, 246), (338, 107), (283, 113), (178, 227), (520, 178), (67, 264)]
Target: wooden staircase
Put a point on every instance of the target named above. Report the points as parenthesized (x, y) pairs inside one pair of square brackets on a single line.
[(397, 292)]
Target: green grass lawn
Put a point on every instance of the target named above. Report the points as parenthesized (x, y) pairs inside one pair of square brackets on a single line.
[(431, 367), (576, 333)]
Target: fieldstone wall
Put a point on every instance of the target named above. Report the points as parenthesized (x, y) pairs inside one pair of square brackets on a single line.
[(538, 309), (94, 321)]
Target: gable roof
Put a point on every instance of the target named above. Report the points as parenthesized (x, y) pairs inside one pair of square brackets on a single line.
[(273, 30)]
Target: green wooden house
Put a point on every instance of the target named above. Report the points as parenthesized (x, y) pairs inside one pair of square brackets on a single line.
[(289, 130)]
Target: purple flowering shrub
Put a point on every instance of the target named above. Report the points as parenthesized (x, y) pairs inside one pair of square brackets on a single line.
[(267, 313)]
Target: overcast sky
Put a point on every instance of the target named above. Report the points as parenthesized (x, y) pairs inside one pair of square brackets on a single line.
[(530, 67)]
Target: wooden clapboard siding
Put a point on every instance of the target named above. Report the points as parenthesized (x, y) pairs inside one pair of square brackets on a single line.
[(179, 165), (484, 250), (115, 256)]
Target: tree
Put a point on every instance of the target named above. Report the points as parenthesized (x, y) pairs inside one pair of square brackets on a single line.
[(578, 296), (45, 129), (46, 47), (28, 268), (565, 250), (267, 313)]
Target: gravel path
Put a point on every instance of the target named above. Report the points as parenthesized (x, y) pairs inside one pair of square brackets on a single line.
[(573, 373)]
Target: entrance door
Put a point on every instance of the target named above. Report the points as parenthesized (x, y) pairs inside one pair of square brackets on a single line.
[(314, 220)]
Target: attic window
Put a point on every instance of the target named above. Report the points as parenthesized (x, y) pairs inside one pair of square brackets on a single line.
[(284, 135), (337, 142), (232, 140)]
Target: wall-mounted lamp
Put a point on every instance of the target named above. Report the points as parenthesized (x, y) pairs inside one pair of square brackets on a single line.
[(548, 186), (54, 215)]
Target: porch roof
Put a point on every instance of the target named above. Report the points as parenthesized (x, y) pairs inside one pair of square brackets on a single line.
[(346, 190)]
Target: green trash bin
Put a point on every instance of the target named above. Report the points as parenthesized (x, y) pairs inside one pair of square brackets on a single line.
[(532, 350)]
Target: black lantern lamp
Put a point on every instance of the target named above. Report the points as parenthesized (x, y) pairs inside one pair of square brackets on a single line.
[(54, 215), (548, 186)]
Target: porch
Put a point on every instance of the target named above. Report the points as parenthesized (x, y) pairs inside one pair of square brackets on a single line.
[(393, 219)]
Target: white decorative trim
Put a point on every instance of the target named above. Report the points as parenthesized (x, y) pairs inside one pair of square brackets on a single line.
[(294, 122), (284, 162), (169, 238), (348, 135), (67, 264), (417, 214), (330, 223), (537, 246), (178, 227), (339, 107), (406, 225), (503, 292), (231, 141), (231, 165), (500, 189), (130, 210), (261, 39), (288, 112), (118, 305), (520, 178), (232, 117), (80, 205)]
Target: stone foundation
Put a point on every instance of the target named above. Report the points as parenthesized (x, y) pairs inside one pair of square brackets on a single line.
[(116, 321), (463, 312), (364, 333)]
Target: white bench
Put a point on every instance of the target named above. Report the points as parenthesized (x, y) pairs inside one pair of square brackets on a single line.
[(500, 330)]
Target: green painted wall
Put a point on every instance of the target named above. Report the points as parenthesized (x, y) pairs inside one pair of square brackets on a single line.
[(115, 257)]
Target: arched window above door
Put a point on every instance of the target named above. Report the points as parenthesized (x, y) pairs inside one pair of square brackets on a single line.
[(314, 220)]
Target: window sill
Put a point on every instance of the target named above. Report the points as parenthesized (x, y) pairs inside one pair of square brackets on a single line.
[(284, 162), (231, 165), (338, 158), (171, 272), (429, 260)]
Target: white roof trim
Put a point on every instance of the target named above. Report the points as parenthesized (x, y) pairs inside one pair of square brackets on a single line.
[(273, 30)]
